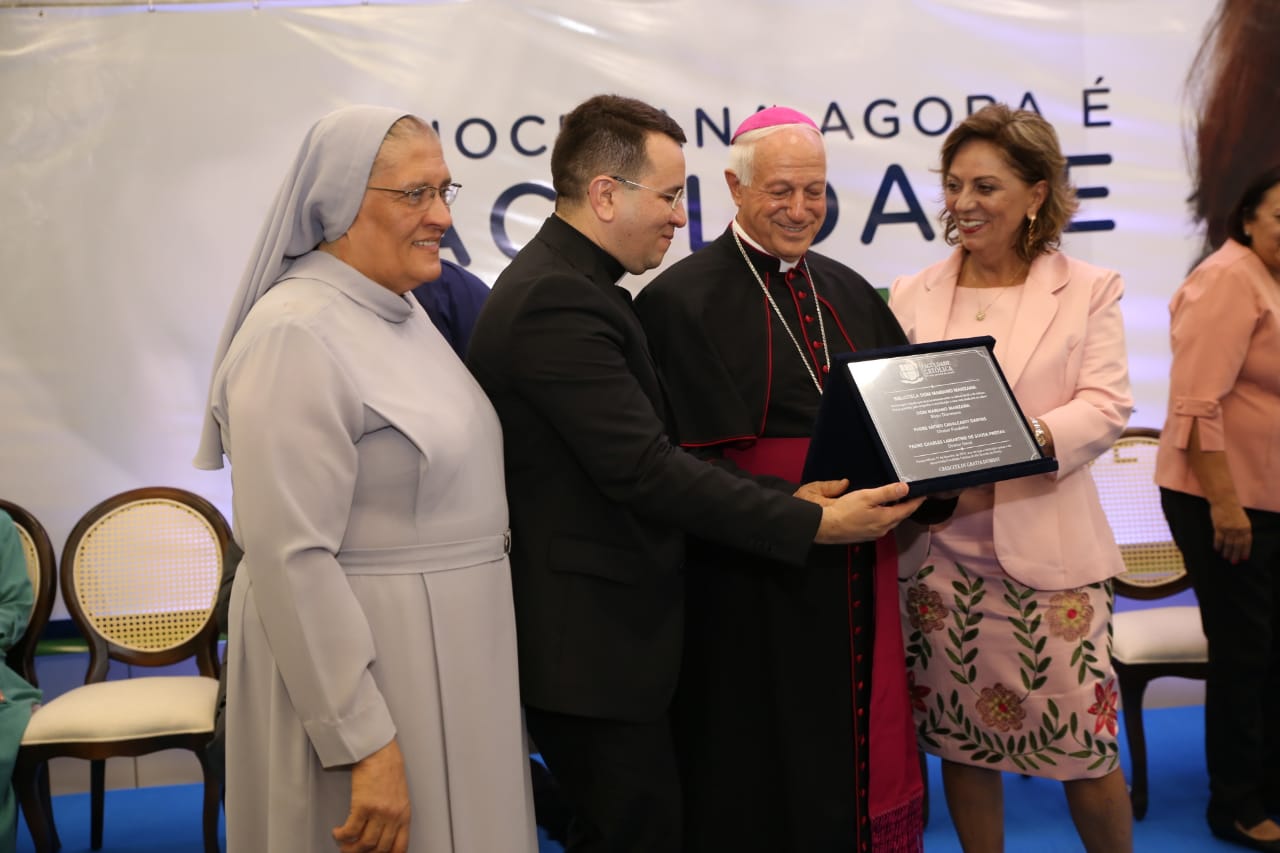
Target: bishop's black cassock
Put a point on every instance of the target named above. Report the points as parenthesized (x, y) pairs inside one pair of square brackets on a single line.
[(790, 739)]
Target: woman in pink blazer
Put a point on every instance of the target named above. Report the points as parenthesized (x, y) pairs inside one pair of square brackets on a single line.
[(1217, 468), (1008, 619)]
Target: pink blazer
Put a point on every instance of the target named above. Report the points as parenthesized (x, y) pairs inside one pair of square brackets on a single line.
[(1067, 366), (1224, 331)]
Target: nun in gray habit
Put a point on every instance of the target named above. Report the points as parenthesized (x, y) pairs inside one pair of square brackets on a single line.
[(372, 693)]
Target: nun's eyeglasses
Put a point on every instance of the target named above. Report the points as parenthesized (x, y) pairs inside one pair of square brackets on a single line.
[(424, 195), (675, 198)]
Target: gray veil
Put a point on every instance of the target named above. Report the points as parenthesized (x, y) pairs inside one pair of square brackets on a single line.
[(317, 203)]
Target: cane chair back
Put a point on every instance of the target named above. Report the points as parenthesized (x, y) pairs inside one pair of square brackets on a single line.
[(1125, 476), (140, 576)]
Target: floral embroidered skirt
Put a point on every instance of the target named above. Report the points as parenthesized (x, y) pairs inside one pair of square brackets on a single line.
[(1008, 677)]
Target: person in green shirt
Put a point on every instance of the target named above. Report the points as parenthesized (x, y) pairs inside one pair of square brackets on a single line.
[(17, 698)]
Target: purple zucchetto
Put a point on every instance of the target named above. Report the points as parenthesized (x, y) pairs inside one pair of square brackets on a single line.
[(772, 117)]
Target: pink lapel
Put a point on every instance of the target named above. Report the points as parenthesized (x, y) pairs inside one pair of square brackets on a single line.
[(935, 302), (1039, 303)]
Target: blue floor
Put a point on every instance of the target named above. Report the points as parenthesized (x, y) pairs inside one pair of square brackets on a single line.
[(1036, 816), (167, 819)]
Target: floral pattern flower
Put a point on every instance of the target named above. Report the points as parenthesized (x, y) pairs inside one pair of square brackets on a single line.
[(917, 692), (1070, 615), (1001, 708), (1104, 708), (925, 609)]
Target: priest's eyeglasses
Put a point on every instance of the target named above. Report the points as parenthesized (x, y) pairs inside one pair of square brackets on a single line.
[(424, 195), (675, 198)]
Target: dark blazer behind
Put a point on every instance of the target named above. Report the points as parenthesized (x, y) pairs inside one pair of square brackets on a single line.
[(600, 500)]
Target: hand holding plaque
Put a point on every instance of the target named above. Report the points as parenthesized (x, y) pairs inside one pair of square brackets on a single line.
[(937, 416)]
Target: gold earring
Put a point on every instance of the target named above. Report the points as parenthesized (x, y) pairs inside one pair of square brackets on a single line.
[(1030, 240)]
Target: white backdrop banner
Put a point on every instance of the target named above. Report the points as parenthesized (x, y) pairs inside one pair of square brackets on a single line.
[(143, 147)]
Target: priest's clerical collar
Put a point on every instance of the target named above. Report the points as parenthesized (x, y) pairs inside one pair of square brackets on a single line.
[(783, 266)]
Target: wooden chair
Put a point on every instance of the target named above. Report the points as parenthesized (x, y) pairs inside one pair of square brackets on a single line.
[(1157, 641), (42, 569), (140, 574)]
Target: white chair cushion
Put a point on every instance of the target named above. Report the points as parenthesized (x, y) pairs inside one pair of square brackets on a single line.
[(126, 709), (1159, 635)]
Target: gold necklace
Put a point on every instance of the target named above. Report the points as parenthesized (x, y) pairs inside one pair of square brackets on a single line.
[(982, 310), (1021, 275), (817, 307)]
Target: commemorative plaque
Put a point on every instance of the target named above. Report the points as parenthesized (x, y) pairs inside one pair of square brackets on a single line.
[(937, 416)]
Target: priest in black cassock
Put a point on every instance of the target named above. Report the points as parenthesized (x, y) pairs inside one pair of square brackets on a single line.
[(793, 720)]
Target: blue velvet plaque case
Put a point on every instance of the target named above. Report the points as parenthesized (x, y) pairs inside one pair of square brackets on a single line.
[(938, 416)]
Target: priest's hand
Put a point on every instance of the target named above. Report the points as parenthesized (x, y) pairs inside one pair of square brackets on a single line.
[(822, 492), (865, 515), (379, 817)]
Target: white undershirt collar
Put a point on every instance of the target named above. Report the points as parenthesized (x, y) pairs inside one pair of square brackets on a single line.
[(783, 266)]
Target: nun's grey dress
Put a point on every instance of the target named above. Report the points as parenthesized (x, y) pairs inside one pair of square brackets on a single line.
[(374, 599)]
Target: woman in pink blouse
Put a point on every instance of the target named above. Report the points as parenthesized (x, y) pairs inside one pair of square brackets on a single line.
[(1219, 476)]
